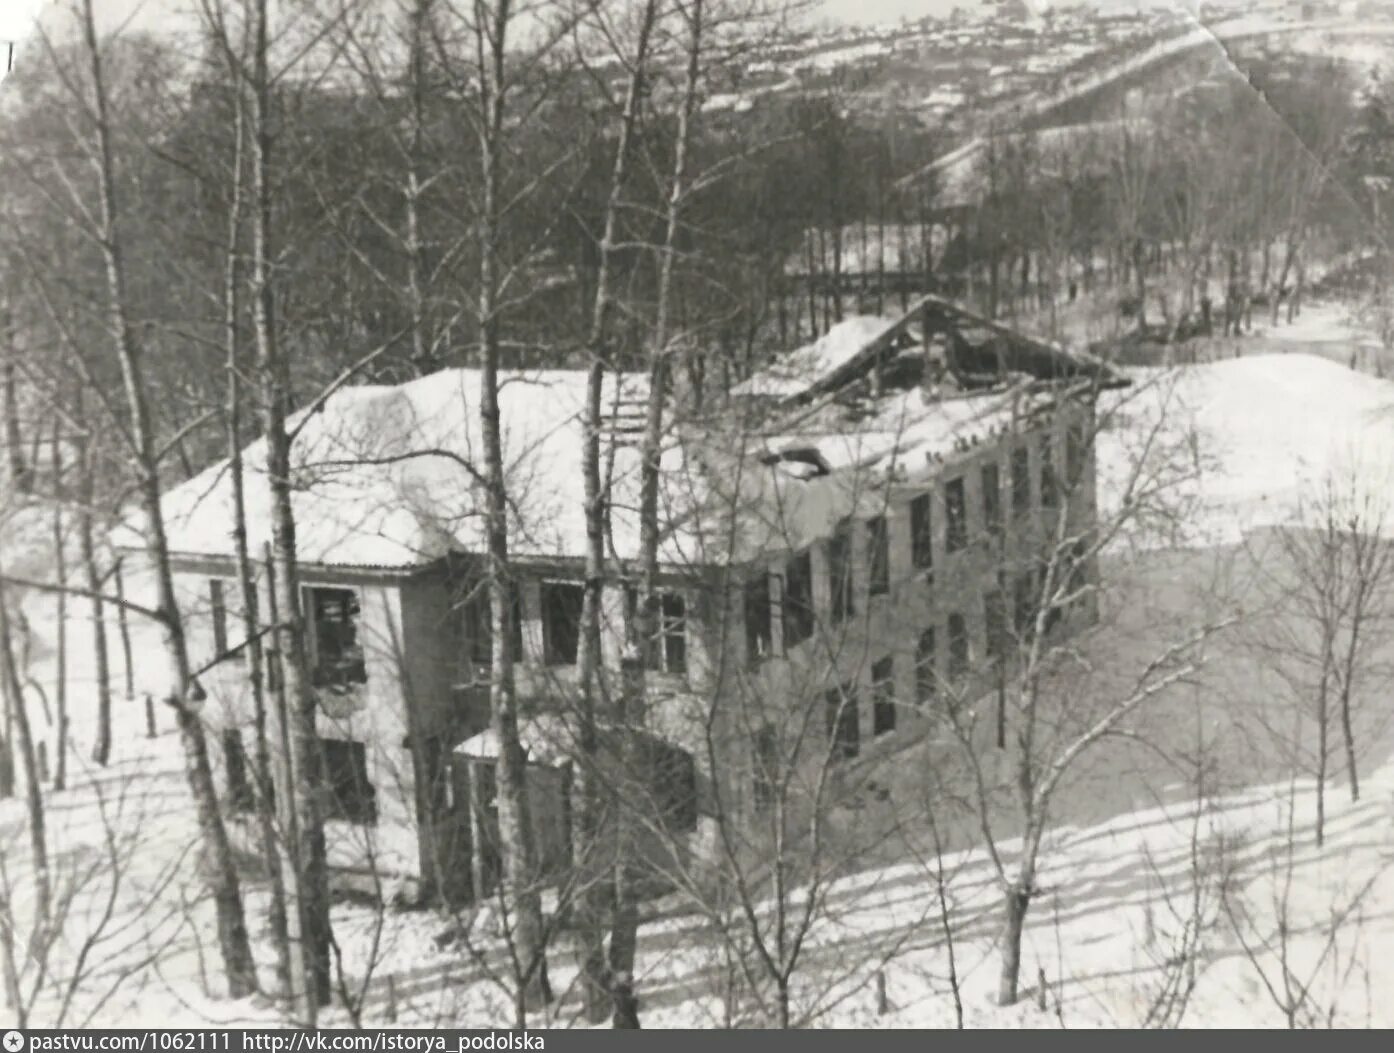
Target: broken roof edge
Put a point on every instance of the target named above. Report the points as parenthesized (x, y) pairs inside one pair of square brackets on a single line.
[(863, 359)]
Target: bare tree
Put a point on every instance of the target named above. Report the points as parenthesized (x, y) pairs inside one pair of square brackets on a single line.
[(593, 690), (110, 236), (1328, 575), (1037, 664)]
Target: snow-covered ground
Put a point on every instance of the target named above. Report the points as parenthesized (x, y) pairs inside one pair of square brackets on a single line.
[(1120, 888), (1115, 902), (1269, 431)]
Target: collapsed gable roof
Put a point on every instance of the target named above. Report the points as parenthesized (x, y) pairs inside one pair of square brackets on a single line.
[(981, 354)]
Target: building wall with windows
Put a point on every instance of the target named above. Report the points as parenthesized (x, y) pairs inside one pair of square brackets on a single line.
[(911, 604), (847, 647), (402, 677)]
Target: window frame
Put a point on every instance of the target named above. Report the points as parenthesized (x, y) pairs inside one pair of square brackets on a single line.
[(362, 808), (658, 653), (995, 630), (878, 555), (797, 610), (219, 613), (1020, 472), (960, 644), (841, 575), (348, 672), (1076, 453), (883, 702), (955, 514), (993, 521), (926, 666), (552, 654), (759, 623), (240, 796), (922, 532), (671, 650), (1050, 480), (477, 623)]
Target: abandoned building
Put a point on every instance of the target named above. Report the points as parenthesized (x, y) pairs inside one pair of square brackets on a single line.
[(855, 534)]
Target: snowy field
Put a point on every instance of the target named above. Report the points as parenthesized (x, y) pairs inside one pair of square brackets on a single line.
[(1131, 873)]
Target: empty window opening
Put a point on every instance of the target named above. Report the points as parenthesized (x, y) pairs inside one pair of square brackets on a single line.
[(1050, 485), (561, 621), (926, 674), (995, 622), (477, 616), (921, 535), (239, 787), (1021, 482), (992, 498), (955, 515), (351, 796), (338, 654), (840, 577), (960, 655), (878, 556), (883, 696), (758, 618), (1075, 450), (798, 599)]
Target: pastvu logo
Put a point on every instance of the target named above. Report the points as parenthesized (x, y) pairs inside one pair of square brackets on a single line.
[(13, 1042)]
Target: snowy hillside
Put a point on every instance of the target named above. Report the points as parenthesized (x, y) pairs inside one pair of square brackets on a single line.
[(1263, 435), (1126, 890)]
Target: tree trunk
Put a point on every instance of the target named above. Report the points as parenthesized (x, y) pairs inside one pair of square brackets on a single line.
[(1289, 254), (123, 630), (1140, 284), (101, 658), (246, 577), (1016, 903), (594, 894), (515, 826), (13, 692), (624, 937), (1348, 735), (422, 342), (20, 473), (1323, 735), (60, 628), (308, 855), (7, 757), (1295, 300), (219, 870)]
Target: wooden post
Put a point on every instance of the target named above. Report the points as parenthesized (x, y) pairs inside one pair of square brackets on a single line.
[(149, 716)]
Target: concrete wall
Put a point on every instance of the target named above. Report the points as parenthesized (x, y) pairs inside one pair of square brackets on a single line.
[(374, 713), (422, 687), (786, 692)]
